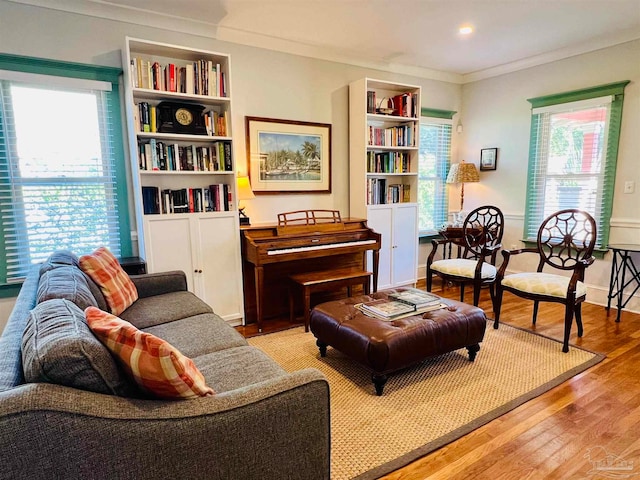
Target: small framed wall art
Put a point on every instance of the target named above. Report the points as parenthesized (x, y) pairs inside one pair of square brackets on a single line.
[(488, 158)]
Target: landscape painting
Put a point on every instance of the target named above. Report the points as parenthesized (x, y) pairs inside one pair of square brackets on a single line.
[(286, 156)]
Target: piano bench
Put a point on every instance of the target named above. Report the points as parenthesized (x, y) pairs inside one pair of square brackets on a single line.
[(322, 281)]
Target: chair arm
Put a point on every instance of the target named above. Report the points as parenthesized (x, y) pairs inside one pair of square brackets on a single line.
[(434, 248), (506, 254)]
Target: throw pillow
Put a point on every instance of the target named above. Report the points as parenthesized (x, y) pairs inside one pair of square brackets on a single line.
[(155, 365), (118, 289), (58, 347)]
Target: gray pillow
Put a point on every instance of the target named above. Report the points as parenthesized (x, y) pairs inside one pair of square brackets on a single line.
[(58, 347), (66, 282)]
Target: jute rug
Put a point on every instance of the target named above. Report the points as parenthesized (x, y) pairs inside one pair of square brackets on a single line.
[(429, 405)]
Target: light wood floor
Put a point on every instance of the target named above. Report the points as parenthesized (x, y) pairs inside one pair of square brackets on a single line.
[(564, 432)]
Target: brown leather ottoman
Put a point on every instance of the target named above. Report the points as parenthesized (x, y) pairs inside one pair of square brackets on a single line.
[(388, 346)]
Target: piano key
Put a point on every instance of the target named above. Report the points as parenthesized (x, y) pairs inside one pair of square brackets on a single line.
[(320, 247)]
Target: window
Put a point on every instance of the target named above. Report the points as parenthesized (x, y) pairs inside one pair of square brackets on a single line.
[(62, 174), (573, 154), (434, 161)]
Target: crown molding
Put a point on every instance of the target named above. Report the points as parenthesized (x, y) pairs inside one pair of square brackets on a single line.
[(623, 36), (126, 14)]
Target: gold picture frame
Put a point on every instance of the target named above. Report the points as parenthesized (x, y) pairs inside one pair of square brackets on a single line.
[(288, 156)]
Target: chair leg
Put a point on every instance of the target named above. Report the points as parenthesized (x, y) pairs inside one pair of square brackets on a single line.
[(429, 281), (578, 313), (535, 311), (568, 318), (476, 295), (462, 292), (497, 305)]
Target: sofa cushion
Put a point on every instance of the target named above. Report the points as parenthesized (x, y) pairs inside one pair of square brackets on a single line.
[(158, 309), (237, 367), (65, 282), (58, 347), (118, 289), (199, 334), (155, 365), (58, 259)]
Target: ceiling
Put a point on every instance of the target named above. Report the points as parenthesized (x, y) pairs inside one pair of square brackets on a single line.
[(411, 36)]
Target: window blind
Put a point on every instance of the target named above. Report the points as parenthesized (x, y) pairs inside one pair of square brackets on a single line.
[(58, 182), (572, 158), (434, 161)]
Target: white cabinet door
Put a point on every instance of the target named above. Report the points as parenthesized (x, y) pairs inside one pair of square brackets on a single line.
[(397, 223), (218, 265), (380, 219), (404, 250), (169, 245)]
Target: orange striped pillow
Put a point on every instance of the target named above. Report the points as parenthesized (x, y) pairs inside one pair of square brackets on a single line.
[(155, 365), (116, 286)]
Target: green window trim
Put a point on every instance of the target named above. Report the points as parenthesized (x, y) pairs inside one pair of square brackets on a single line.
[(112, 75), (616, 90), (437, 113)]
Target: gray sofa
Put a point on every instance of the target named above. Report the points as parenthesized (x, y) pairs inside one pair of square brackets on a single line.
[(262, 423)]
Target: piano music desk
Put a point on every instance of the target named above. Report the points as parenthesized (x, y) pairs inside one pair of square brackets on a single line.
[(311, 282)]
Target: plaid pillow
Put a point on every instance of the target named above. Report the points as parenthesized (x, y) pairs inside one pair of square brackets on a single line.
[(116, 286), (155, 365)]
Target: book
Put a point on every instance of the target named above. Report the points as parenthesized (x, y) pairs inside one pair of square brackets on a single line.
[(416, 297), (386, 308)]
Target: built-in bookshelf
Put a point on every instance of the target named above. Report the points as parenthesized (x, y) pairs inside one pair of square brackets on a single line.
[(178, 103), (384, 129)]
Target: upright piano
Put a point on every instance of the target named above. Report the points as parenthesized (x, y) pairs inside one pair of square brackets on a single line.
[(302, 241)]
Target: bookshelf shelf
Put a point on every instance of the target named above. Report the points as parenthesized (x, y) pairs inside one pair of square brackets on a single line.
[(184, 182), (383, 169)]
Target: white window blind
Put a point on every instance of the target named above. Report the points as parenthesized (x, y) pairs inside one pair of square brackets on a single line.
[(57, 169), (434, 161)]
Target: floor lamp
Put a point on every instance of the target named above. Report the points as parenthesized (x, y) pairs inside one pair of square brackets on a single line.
[(462, 173)]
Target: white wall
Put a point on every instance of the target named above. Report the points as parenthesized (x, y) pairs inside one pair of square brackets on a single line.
[(496, 114)]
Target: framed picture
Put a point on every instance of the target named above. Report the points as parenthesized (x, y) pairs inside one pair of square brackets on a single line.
[(286, 156), (488, 158)]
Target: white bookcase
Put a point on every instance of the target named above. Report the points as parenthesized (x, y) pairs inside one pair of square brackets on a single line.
[(191, 227), (384, 128)]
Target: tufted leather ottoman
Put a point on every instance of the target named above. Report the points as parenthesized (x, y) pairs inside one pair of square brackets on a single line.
[(387, 346)]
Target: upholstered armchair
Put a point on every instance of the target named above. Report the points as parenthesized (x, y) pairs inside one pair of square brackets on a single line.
[(476, 247), (565, 243)]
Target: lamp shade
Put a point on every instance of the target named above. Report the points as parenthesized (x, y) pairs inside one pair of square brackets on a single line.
[(463, 173), (244, 189)]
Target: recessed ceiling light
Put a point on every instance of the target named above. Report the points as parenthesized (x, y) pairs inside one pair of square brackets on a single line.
[(465, 30)]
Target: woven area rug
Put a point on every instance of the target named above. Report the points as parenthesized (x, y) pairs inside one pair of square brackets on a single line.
[(429, 405)]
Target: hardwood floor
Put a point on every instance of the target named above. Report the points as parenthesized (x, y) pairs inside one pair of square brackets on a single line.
[(564, 433)]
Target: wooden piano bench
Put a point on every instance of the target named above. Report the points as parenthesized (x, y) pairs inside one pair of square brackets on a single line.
[(323, 281)]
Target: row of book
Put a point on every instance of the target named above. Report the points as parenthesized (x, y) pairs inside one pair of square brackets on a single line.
[(214, 198), (388, 162), (398, 136), (201, 77), (379, 192), (401, 303), (157, 155), (145, 119), (402, 105)]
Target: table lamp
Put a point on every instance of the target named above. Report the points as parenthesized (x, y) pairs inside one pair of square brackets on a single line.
[(244, 192), (462, 173)]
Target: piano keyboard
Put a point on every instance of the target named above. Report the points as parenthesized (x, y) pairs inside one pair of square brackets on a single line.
[(319, 247)]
